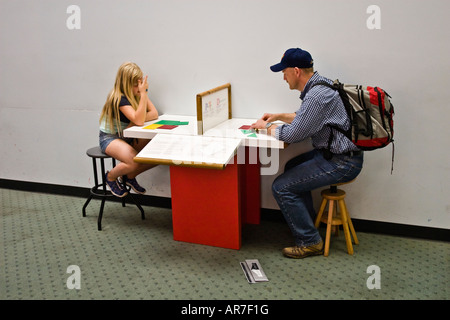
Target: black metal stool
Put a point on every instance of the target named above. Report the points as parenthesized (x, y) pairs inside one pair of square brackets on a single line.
[(99, 189)]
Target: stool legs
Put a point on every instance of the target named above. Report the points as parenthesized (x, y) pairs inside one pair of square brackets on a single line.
[(86, 204), (124, 181), (320, 213), (94, 189), (100, 215), (103, 192), (329, 225), (137, 205), (344, 216), (332, 220), (350, 224), (102, 206)]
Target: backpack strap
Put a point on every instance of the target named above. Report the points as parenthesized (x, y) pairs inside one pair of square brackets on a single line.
[(335, 86)]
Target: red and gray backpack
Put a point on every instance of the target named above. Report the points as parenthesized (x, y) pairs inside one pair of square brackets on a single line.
[(371, 115)]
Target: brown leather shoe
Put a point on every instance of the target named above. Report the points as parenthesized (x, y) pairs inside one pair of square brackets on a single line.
[(303, 252)]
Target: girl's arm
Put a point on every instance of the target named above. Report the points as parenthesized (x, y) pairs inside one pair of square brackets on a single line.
[(152, 113), (138, 116)]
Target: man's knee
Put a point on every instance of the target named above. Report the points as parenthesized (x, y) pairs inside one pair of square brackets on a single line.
[(276, 186)]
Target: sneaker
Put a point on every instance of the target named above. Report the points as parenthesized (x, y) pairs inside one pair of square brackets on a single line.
[(135, 185), (116, 188), (303, 252)]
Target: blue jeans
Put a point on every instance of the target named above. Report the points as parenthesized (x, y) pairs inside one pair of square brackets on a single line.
[(292, 189)]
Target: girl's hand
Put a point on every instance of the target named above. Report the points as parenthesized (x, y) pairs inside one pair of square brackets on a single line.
[(143, 86)]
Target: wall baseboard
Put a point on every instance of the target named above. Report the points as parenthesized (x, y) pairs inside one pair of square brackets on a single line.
[(266, 214), (160, 202), (387, 228)]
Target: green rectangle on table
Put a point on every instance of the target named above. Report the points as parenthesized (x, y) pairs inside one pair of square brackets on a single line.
[(172, 122)]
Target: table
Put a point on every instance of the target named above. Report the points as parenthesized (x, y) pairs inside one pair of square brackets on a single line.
[(214, 177)]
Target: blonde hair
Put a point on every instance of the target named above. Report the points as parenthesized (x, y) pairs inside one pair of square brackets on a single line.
[(127, 76)]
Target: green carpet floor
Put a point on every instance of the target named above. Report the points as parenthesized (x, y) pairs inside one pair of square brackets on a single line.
[(44, 234)]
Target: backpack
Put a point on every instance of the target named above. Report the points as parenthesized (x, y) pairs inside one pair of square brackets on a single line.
[(371, 115)]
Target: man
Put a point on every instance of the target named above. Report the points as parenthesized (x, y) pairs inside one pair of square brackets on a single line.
[(334, 158)]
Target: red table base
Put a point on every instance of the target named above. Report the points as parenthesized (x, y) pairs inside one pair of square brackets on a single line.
[(209, 206)]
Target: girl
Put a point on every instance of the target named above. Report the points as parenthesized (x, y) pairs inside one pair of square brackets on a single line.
[(127, 105)]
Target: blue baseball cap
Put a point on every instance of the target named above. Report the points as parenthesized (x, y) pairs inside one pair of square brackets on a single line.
[(294, 57)]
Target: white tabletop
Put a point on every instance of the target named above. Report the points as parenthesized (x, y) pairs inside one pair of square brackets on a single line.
[(189, 150), (230, 129), (226, 129)]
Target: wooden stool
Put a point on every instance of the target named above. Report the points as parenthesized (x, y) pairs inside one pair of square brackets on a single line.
[(335, 218), (99, 189)]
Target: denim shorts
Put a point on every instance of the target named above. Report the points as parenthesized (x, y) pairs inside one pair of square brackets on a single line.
[(106, 138)]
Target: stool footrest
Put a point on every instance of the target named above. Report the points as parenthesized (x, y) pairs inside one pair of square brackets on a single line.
[(335, 221), (99, 190)]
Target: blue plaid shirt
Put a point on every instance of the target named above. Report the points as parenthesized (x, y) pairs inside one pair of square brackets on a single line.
[(320, 107)]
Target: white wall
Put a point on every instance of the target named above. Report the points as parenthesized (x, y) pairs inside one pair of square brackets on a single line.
[(54, 81)]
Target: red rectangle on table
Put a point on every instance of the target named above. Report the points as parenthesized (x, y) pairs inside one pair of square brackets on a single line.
[(245, 127), (167, 126)]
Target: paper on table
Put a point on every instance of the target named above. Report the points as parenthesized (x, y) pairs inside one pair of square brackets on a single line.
[(195, 149)]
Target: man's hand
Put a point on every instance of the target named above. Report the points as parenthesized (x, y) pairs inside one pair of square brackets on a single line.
[(259, 124)]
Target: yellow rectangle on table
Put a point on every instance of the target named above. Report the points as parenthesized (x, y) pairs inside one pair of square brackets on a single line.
[(153, 126)]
